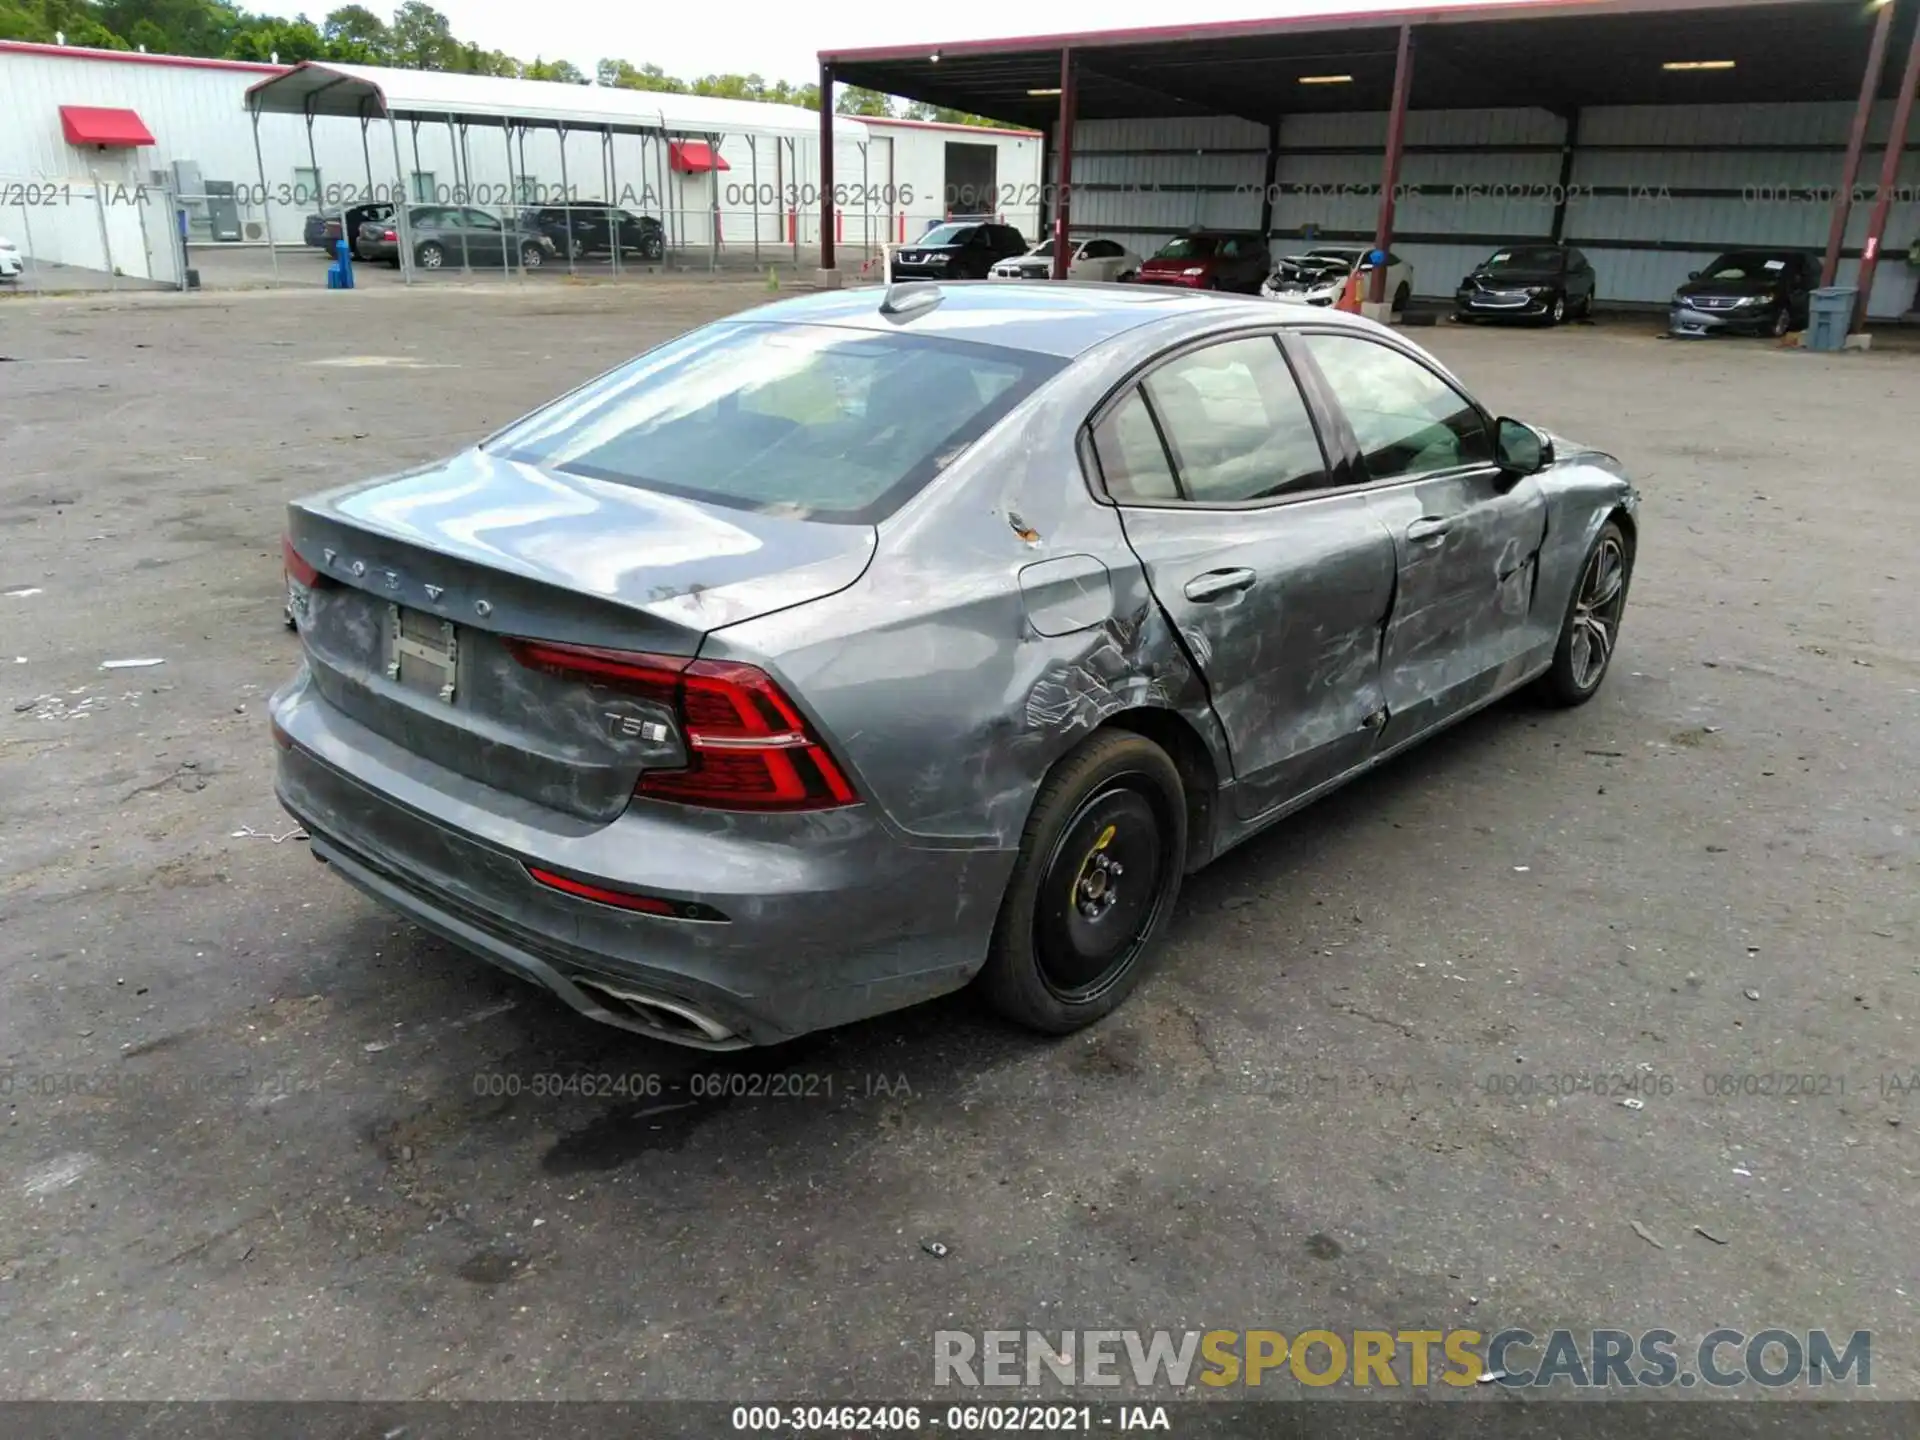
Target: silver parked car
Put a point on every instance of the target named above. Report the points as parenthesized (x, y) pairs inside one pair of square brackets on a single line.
[(838, 654)]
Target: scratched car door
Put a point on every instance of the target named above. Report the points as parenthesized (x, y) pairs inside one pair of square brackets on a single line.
[(1467, 535), (1277, 580)]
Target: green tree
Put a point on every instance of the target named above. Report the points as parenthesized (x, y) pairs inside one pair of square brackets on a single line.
[(290, 40), (564, 71), (855, 100), (621, 75), (356, 35), (421, 38)]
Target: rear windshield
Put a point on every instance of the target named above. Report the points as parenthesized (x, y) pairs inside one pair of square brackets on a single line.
[(1190, 247), (807, 421), (949, 235)]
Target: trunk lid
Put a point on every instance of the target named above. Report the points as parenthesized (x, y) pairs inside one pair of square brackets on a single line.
[(426, 574)]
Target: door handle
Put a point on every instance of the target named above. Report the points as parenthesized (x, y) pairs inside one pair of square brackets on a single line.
[(1216, 583), (1429, 527)]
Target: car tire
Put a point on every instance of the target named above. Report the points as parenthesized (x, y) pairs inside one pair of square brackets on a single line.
[(1401, 297), (1586, 306), (1098, 873), (653, 248), (1557, 311), (531, 256), (430, 256), (1782, 325), (1574, 677), (1126, 277)]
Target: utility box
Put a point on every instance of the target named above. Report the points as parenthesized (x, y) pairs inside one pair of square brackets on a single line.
[(1829, 317)]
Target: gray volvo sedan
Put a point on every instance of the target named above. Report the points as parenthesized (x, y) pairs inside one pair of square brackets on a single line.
[(853, 649)]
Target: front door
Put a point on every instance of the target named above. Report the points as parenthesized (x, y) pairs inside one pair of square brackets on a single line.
[(1466, 534), (1279, 589)]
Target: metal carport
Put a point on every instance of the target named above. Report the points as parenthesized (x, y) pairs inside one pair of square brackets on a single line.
[(1528, 72), (513, 106)]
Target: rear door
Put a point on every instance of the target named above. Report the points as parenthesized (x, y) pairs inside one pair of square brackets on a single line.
[(1466, 534), (1278, 583)]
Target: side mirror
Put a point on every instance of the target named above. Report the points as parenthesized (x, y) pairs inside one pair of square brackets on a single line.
[(1520, 449), (1693, 274)]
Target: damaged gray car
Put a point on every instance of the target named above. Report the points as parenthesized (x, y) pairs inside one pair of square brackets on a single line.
[(839, 654)]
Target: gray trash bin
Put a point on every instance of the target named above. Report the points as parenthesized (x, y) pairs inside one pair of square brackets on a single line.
[(1829, 316)]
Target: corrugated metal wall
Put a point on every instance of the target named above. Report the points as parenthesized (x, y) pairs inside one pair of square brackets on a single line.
[(1652, 193)]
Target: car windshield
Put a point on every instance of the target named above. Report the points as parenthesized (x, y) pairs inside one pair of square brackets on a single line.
[(949, 235), (1189, 247), (1043, 249), (1745, 265), (1525, 257), (812, 422)]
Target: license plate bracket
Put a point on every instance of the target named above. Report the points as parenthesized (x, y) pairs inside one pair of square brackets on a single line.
[(423, 653)]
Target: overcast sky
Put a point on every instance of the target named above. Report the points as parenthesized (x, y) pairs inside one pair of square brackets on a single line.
[(780, 40)]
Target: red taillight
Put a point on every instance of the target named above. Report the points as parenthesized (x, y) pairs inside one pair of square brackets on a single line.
[(297, 569), (625, 899), (389, 236), (750, 749)]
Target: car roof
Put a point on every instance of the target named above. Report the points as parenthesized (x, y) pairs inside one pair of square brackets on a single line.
[(1061, 319)]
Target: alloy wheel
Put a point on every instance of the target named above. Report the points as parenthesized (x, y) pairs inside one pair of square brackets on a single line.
[(1596, 614)]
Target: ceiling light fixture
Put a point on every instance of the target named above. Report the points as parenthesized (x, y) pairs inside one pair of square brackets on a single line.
[(1326, 79), (935, 57), (1698, 65), (1054, 91)]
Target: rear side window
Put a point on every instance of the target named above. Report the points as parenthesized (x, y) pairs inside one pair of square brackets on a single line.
[(1408, 421), (808, 421), (1133, 462), (1236, 423)]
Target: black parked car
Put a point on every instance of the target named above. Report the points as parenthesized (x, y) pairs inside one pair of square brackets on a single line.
[(1751, 292), (323, 230), (963, 250), (582, 230), (1546, 283)]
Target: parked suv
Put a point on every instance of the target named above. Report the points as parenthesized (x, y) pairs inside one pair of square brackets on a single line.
[(448, 236), (581, 230), (1211, 260), (957, 250)]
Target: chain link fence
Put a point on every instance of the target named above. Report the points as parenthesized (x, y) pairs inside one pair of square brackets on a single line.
[(89, 235)]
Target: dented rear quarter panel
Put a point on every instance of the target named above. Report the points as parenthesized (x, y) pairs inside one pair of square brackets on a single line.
[(933, 675)]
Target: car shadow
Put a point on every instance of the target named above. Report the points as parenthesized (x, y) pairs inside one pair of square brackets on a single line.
[(615, 1098)]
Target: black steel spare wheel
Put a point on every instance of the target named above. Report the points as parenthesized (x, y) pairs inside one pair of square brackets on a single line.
[(1098, 900), (1097, 875)]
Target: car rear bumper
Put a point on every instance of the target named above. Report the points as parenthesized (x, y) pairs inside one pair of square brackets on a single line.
[(830, 918), (1185, 282)]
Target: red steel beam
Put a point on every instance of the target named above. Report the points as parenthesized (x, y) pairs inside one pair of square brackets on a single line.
[(1390, 174), (1856, 141), (1063, 196), (1889, 176)]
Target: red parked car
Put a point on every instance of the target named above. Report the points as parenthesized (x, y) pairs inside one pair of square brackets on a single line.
[(1211, 260)]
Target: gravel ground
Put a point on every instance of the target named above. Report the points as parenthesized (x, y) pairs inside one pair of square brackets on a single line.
[(263, 1140)]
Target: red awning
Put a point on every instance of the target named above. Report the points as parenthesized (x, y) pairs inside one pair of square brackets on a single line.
[(90, 125), (694, 157)]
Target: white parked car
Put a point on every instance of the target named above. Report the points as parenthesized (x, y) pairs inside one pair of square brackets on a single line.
[(10, 264), (1317, 276), (1092, 260)]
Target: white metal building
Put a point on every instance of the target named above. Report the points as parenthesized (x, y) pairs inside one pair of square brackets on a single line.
[(179, 130)]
